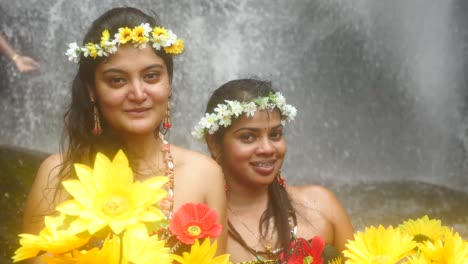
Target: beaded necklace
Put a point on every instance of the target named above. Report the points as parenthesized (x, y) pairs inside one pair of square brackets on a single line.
[(232, 231), (167, 204)]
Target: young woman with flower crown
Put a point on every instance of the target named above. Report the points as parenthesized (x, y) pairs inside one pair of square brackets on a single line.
[(268, 221), (120, 100)]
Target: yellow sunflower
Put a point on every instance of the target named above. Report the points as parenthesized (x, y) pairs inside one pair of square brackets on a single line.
[(417, 260), (423, 229), (176, 48), (108, 196), (337, 260), (451, 249), (51, 239), (204, 253), (379, 245)]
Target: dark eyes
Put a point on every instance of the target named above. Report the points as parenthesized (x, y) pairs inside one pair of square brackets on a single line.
[(276, 135), (116, 80), (251, 137), (247, 137), (119, 81), (152, 76)]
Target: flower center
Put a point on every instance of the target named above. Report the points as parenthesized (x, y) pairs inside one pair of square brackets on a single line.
[(115, 206), (307, 260), (421, 238), (194, 230)]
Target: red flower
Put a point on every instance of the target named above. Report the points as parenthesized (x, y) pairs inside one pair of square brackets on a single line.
[(194, 221), (301, 251)]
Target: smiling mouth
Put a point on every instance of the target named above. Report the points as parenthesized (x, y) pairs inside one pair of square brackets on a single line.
[(264, 164), (137, 110)]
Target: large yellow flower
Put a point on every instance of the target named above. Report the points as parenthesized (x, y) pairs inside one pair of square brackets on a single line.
[(109, 254), (108, 196), (423, 229), (417, 260), (145, 251), (451, 249), (378, 245), (51, 239), (204, 253)]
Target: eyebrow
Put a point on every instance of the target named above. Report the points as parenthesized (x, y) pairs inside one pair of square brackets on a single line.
[(256, 128), (116, 70)]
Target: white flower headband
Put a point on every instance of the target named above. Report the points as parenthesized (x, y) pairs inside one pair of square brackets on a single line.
[(224, 113), (138, 36)]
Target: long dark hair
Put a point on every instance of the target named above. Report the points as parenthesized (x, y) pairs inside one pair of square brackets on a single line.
[(78, 143), (279, 203)]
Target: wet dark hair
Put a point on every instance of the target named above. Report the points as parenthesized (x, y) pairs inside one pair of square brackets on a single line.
[(78, 142), (279, 203)]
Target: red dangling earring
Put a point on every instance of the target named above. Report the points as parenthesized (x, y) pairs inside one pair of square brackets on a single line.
[(97, 130), (167, 119), (281, 180)]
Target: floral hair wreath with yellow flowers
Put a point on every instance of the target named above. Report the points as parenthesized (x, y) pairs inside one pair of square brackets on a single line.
[(138, 36), (225, 113)]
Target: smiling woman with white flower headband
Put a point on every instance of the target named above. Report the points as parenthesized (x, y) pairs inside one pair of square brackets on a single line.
[(269, 222), (120, 100)]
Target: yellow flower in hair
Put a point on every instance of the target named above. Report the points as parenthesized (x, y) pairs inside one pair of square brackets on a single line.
[(125, 35), (158, 37), (176, 48), (105, 38), (91, 50), (138, 35), (159, 31)]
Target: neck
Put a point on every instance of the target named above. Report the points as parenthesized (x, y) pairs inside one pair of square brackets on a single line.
[(146, 153), (247, 200), (143, 146)]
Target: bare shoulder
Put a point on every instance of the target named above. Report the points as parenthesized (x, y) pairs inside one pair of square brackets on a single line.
[(49, 168), (41, 198), (197, 163), (306, 193)]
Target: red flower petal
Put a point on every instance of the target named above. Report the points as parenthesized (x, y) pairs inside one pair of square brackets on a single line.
[(194, 221), (301, 250)]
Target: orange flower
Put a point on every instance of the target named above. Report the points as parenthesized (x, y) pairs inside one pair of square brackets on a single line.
[(194, 221)]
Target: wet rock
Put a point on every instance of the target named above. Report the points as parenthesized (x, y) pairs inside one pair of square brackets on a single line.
[(17, 170)]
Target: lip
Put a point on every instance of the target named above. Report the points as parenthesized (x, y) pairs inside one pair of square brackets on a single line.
[(137, 111), (263, 167)]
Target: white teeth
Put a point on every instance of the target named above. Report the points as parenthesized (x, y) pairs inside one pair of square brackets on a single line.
[(265, 164)]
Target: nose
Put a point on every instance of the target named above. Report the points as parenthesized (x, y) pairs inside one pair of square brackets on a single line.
[(137, 92), (265, 147)]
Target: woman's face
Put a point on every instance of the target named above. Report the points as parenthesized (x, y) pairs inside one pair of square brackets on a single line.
[(253, 149), (133, 89)]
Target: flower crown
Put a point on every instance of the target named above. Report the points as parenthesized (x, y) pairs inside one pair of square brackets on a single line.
[(138, 36), (224, 113)]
